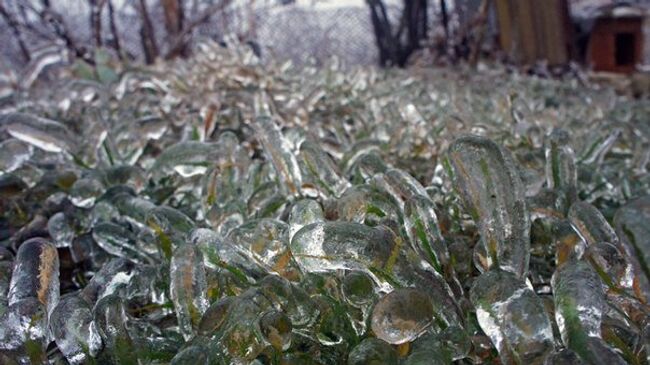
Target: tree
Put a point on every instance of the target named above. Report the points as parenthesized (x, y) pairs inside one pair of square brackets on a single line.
[(37, 23), (396, 44)]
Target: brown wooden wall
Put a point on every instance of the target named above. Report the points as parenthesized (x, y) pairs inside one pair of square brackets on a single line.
[(533, 30), (602, 48)]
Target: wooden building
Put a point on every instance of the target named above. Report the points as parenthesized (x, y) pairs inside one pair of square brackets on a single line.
[(603, 35), (615, 41), (534, 30)]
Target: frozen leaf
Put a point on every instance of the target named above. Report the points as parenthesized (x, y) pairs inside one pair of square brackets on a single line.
[(489, 185)]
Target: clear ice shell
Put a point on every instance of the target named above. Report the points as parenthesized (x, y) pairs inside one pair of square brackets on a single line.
[(70, 325), (513, 316), (373, 351), (488, 182), (402, 315), (188, 288), (631, 222), (278, 149), (590, 224), (579, 301), (46, 134), (36, 274)]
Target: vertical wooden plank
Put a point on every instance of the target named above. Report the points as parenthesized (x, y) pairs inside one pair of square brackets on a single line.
[(504, 19), (525, 21), (555, 28)]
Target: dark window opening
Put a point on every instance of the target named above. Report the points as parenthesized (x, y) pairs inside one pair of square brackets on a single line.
[(625, 49)]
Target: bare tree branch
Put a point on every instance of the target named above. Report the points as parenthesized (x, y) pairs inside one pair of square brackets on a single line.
[(13, 25), (96, 7), (40, 30), (393, 48), (174, 18), (147, 34), (445, 18), (55, 20), (180, 39), (114, 33), (481, 24)]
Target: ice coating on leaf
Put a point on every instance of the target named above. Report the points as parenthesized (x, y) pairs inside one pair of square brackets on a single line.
[(278, 150), (456, 341), (489, 184), (188, 288), (84, 192), (46, 134), (428, 350), (70, 325), (151, 127), (322, 169), (215, 316), (596, 351), (367, 165), (567, 242), (6, 267), (366, 204), (224, 183), (513, 316), (358, 288), (239, 335), (120, 242), (632, 225), (13, 154), (170, 226), (563, 357), (60, 230), (590, 224), (131, 176), (276, 328), (373, 351), (387, 258), (561, 173), (33, 294), (267, 242), (597, 149), (187, 159), (422, 227), (579, 302), (36, 274), (133, 207), (610, 264), (24, 323), (113, 275), (220, 252), (304, 212), (171, 221), (109, 323), (402, 315), (399, 184), (195, 354), (327, 246)]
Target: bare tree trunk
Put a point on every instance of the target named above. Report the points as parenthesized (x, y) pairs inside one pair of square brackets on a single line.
[(393, 48), (51, 17), (114, 33), (96, 20), (13, 25), (445, 18), (180, 40), (174, 19), (383, 32), (481, 25), (147, 35)]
